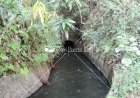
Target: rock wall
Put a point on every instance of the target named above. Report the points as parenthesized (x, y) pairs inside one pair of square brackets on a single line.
[(20, 86)]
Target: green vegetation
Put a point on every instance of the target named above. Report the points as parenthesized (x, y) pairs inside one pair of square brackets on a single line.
[(112, 27), (26, 29), (117, 36)]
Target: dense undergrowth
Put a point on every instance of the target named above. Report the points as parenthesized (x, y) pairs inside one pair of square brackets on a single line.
[(26, 28), (112, 29), (115, 33)]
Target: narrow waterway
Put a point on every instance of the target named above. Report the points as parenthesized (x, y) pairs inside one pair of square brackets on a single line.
[(73, 79)]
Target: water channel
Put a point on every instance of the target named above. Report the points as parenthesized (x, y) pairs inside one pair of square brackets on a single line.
[(73, 78)]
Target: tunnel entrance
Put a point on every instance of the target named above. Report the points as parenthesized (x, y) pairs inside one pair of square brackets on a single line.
[(68, 44)]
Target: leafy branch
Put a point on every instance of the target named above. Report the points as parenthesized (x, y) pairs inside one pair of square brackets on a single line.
[(5, 30)]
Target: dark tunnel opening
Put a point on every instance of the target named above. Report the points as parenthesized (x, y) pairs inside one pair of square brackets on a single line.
[(68, 45)]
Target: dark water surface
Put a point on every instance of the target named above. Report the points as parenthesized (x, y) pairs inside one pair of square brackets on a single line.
[(73, 79)]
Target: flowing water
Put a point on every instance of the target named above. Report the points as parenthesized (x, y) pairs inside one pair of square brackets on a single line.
[(73, 78)]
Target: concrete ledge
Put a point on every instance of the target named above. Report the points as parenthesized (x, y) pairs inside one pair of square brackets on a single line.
[(20, 86), (100, 63)]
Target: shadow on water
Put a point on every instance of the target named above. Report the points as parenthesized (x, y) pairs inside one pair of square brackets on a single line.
[(72, 79)]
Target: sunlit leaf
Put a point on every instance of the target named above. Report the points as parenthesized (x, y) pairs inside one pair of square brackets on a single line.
[(70, 25), (118, 49), (63, 25), (132, 39), (137, 52), (126, 61), (40, 14), (3, 57), (78, 2), (70, 5), (71, 21)]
